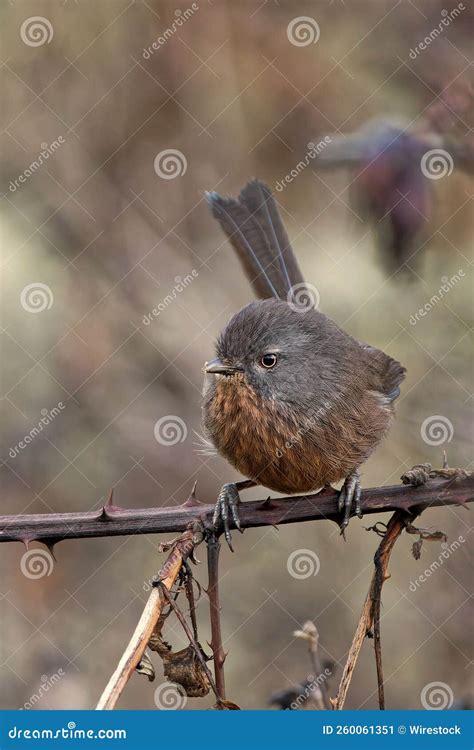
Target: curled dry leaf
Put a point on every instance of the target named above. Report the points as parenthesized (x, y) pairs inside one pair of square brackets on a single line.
[(435, 536), (158, 644), (426, 534), (184, 668)]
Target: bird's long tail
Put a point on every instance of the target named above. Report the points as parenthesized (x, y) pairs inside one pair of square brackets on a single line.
[(255, 229)]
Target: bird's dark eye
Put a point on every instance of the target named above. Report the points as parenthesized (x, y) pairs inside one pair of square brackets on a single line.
[(269, 360)]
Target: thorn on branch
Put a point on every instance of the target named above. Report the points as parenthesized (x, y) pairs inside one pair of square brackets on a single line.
[(108, 510), (456, 489), (50, 544), (267, 504), (192, 501)]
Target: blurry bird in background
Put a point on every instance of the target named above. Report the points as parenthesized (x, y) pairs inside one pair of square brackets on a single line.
[(395, 167)]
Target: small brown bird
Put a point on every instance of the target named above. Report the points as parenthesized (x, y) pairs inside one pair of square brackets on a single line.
[(291, 400)]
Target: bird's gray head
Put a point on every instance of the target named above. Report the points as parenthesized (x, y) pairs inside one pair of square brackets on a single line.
[(280, 352)]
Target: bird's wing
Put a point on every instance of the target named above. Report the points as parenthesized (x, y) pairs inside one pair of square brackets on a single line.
[(386, 373)]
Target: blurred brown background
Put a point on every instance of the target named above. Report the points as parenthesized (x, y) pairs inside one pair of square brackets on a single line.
[(110, 239)]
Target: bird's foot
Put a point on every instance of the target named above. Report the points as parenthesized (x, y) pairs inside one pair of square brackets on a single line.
[(350, 494), (226, 507)]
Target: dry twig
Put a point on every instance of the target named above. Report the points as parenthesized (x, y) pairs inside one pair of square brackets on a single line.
[(181, 549), (213, 548), (370, 617)]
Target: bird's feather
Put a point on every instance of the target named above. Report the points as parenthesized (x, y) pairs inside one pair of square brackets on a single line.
[(255, 229)]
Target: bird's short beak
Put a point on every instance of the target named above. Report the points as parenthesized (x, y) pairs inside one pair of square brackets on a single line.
[(217, 367)]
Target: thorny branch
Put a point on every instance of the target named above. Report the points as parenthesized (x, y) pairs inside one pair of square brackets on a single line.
[(51, 528), (422, 488)]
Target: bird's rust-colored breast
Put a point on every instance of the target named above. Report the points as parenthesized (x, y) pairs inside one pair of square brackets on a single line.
[(289, 452), (260, 439)]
